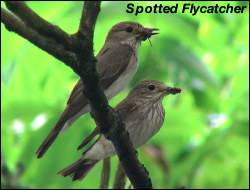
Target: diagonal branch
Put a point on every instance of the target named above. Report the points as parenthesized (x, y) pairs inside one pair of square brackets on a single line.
[(106, 117), (15, 24), (38, 24)]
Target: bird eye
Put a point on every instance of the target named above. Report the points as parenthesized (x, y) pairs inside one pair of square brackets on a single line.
[(129, 29), (151, 87)]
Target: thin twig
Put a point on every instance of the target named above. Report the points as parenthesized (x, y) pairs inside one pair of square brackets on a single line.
[(105, 174), (120, 177)]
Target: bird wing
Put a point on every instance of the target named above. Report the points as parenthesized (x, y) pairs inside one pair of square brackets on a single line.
[(112, 62), (125, 108), (89, 138)]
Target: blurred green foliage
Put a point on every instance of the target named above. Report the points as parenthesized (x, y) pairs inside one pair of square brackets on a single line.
[(205, 138)]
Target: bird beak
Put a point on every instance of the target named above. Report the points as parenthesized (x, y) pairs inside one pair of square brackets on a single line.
[(170, 90), (146, 33)]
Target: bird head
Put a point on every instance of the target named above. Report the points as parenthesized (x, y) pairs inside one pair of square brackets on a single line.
[(131, 33), (152, 90)]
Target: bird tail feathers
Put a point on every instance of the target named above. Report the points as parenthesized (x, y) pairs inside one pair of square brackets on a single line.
[(46, 144), (79, 169)]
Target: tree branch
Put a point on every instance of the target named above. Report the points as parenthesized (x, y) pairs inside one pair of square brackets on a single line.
[(105, 174), (87, 23), (38, 24), (120, 178), (81, 59), (106, 117), (16, 25)]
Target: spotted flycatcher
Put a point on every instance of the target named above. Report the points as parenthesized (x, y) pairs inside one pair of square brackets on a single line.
[(143, 115), (117, 63)]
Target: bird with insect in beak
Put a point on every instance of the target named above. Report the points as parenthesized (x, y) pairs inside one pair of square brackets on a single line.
[(117, 62), (143, 115)]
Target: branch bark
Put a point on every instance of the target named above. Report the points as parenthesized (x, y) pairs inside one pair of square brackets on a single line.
[(79, 56), (120, 178), (16, 25), (34, 21), (105, 174)]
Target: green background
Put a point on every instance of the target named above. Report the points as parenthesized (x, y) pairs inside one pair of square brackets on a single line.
[(204, 142)]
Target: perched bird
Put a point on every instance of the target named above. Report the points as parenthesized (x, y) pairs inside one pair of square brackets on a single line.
[(117, 63), (143, 115)]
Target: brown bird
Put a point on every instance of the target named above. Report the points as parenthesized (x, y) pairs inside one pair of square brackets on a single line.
[(117, 63), (143, 115)]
